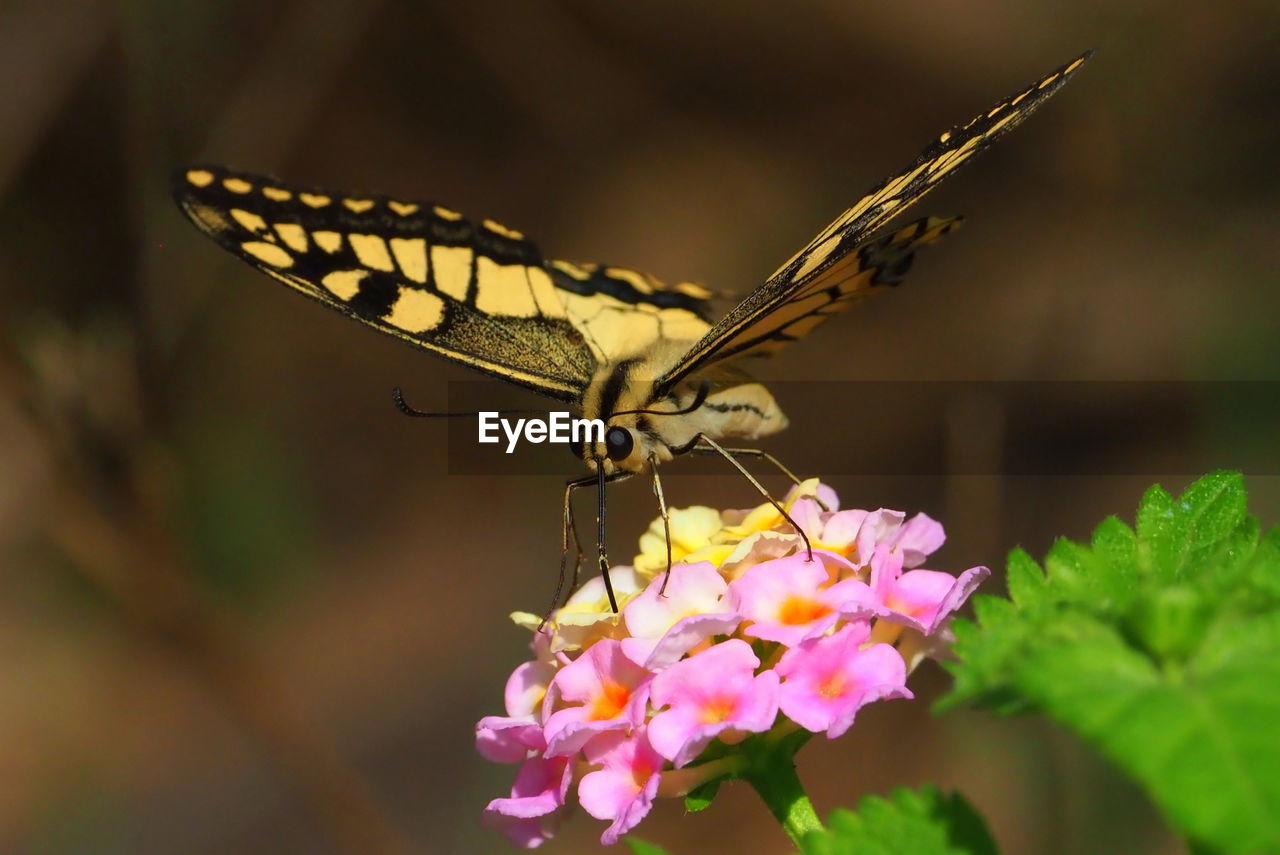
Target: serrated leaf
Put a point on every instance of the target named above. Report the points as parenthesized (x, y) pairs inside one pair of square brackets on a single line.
[(1214, 505), (1172, 671), (1162, 535), (1202, 742), (922, 822), (1024, 578), (1117, 545), (1074, 573)]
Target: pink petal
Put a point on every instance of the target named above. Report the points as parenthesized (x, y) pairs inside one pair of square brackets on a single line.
[(879, 527), (924, 599), (808, 515), (708, 694), (765, 594), (920, 593), (880, 668), (841, 529), (603, 663), (539, 788), (568, 730), (690, 589), (815, 669), (526, 687), (681, 735), (683, 636), (728, 665), (524, 833), (624, 789), (918, 538), (508, 739)]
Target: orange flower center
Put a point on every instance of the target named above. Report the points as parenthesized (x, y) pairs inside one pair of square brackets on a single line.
[(796, 611), (610, 702), (717, 710), (898, 605), (832, 686)]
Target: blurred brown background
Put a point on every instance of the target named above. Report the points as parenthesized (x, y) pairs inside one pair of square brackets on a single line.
[(244, 608)]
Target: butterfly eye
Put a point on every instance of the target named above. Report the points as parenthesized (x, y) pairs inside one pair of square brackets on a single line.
[(618, 443)]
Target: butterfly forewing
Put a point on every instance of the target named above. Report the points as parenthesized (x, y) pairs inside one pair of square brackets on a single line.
[(793, 290), (479, 294)]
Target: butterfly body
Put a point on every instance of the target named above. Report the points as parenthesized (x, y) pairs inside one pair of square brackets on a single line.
[(663, 424)]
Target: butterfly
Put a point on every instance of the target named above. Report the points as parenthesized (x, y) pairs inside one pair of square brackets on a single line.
[(644, 357)]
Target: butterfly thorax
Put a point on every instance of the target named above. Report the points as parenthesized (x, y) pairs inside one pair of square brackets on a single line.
[(645, 423)]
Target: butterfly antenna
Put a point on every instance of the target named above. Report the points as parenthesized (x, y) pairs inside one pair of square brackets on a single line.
[(397, 397)]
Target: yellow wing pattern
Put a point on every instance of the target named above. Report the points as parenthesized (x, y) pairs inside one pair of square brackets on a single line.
[(479, 294)]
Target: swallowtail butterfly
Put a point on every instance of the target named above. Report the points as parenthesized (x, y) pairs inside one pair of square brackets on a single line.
[(618, 345)]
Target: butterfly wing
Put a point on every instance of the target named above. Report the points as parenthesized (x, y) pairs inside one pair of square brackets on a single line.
[(870, 268), (623, 312), (828, 271), (480, 294)]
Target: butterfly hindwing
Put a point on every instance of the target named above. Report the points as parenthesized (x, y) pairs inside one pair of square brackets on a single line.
[(623, 312), (796, 283)]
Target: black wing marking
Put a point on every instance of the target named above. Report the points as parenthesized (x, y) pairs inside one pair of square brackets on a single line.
[(477, 294)]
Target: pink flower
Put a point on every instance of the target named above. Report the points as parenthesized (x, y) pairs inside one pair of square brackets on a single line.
[(789, 599), (532, 813), (665, 626), (917, 539), (920, 599), (508, 739), (527, 686), (606, 690), (660, 699), (623, 789), (713, 693), (825, 681)]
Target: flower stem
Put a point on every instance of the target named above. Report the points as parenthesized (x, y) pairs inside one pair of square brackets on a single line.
[(773, 776)]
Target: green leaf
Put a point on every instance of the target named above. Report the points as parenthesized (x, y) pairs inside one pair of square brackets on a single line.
[(1159, 646), (1215, 505), (701, 797), (1025, 579), (920, 822), (643, 847), (1162, 535)]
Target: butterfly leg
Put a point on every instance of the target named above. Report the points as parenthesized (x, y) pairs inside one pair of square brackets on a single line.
[(716, 448), (569, 529), (666, 519), (601, 481), (761, 454)]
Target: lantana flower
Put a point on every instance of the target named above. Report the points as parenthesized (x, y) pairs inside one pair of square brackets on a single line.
[(750, 645)]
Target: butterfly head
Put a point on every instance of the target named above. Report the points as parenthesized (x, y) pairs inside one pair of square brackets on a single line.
[(624, 448)]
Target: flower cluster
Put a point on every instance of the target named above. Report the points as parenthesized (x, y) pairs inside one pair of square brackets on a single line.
[(750, 635)]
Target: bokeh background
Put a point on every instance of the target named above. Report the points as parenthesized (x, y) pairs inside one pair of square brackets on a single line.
[(245, 607)]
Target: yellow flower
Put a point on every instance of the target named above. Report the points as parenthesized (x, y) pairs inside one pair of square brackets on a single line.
[(692, 530), (586, 617)]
